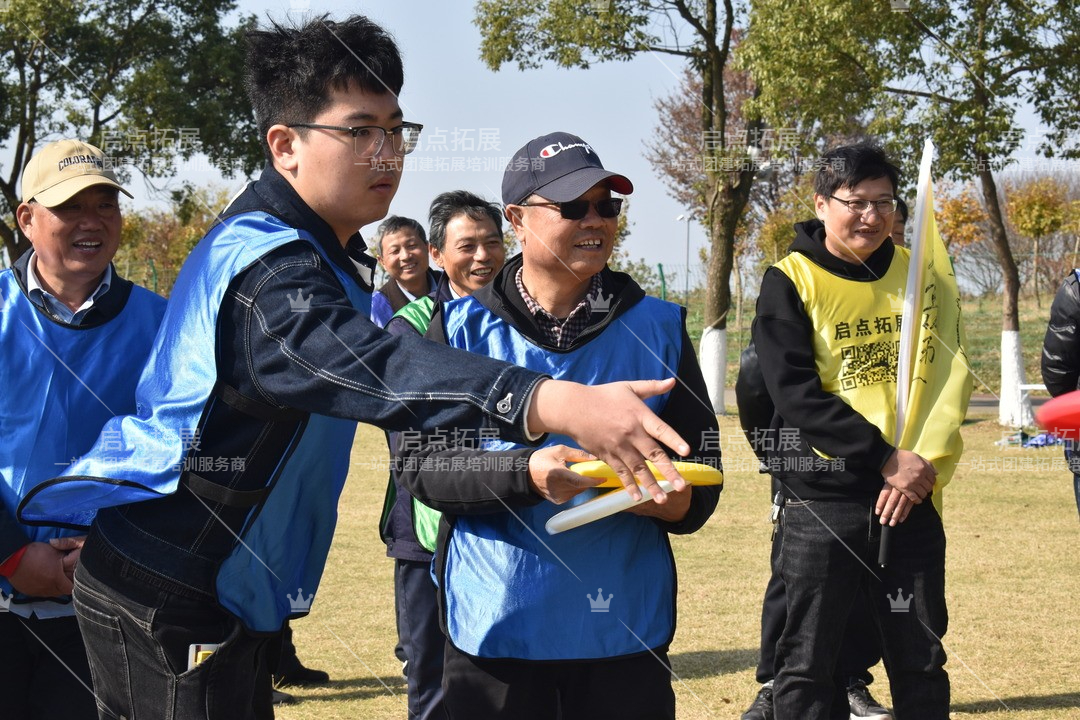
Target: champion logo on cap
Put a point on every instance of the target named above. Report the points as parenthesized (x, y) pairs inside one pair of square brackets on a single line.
[(556, 148)]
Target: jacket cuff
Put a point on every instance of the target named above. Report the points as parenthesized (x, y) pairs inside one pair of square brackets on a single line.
[(509, 401), (881, 452)]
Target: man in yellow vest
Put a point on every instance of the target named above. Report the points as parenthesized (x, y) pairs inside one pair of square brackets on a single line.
[(827, 333)]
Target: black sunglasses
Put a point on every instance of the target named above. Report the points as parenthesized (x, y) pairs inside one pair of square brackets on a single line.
[(577, 209)]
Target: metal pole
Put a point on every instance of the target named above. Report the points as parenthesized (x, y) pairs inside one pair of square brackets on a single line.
[(686, 284)]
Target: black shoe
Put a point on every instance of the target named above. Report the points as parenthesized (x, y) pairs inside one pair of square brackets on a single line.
[(863, 705), (300, 675), (761, 708), (280, 698)]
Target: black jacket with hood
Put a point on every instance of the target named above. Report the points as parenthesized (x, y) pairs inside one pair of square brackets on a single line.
[(811, 417), (1061, 346), (457, 492)]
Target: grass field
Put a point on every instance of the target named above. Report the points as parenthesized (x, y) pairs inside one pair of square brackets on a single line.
[(1013, 584)]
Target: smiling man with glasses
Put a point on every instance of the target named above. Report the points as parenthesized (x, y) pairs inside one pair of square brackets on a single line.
[(827, 336), (525, 643)]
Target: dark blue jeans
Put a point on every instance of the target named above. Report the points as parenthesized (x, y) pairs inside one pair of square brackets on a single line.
[(138, 653), (828, 562)]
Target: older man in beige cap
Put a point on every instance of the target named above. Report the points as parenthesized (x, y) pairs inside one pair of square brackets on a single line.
[(74, 337)]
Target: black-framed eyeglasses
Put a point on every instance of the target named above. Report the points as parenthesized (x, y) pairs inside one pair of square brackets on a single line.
[(860, 207), (577, 209), (368, 139)]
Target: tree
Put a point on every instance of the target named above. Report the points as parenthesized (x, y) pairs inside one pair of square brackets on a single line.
[(147, 82), (957, 72), (154, 243), (531, 33), (775, 233), (964, 228), (1037, 209), (643, 273)]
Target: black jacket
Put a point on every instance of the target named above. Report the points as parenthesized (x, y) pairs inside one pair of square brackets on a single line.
[(813, 418), (1061, 346), (275, 368)]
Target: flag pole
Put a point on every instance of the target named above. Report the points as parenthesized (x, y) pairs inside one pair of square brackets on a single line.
[(912, 311)]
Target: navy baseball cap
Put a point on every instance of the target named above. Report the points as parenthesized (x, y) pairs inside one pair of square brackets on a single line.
[(560, 167)]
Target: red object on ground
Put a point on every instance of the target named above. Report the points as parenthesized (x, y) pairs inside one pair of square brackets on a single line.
[(1061, 416)]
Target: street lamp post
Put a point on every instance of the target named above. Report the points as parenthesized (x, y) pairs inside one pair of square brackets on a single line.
[(686, 282)]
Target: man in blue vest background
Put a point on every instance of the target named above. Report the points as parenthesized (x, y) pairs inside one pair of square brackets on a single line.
[(527, 639), (467, 243), (401, 247), (74, 337), (247, 409)]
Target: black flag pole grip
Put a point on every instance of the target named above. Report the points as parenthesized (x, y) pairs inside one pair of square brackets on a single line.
[(883, 548)]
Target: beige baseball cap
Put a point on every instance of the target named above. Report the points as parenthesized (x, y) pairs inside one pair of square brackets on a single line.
[(64, 168)]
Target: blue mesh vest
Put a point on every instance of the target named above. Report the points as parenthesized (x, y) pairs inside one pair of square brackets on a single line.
[(273, 569), (63, 384), (603, 590)]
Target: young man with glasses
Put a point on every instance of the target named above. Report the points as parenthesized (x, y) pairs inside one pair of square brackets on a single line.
[(248, 407), (826, 334), (526, 638)]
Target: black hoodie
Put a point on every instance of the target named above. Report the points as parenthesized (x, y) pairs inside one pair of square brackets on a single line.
[(687, 411), (782, 333)]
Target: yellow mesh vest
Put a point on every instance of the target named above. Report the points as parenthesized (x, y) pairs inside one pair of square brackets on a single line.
[(856, 336)]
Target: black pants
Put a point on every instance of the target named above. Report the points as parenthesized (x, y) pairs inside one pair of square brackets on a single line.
[(827, 561), (34, 684), (420, 637), (860, 649), (636, 688)]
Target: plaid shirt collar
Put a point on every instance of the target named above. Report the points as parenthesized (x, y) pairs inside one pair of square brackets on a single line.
[(561, 333)]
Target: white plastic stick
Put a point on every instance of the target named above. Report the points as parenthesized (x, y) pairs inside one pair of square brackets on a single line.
[(599, 507)]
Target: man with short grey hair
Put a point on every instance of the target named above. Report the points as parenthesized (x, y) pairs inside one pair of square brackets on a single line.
[(401, 247)]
